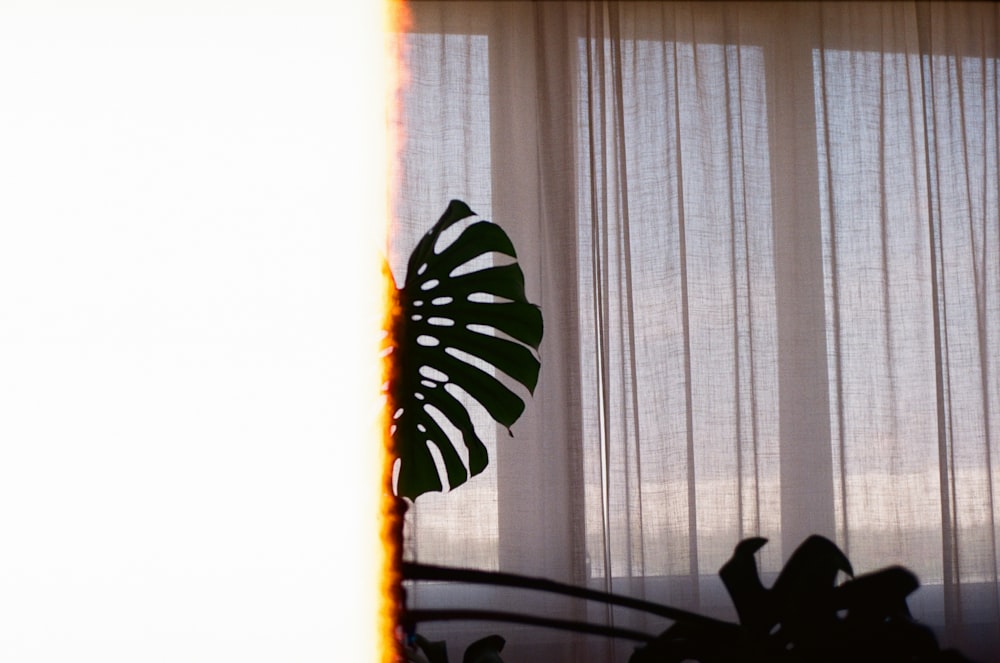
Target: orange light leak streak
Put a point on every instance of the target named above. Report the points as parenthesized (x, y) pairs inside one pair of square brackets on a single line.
[(397, 19), (391, 523)]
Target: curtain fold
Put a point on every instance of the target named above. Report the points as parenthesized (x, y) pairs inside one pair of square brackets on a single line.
[(766, 242)]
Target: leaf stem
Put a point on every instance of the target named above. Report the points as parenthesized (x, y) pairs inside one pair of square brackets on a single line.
[(415, 616), (415, 571)]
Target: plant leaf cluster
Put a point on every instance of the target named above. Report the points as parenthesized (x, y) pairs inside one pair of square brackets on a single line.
[(805, 616), (449, 324)]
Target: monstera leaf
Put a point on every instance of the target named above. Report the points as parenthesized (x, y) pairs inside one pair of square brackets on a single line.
[(441, 323)]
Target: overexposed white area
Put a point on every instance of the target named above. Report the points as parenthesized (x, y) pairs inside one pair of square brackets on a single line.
[(191, 199)]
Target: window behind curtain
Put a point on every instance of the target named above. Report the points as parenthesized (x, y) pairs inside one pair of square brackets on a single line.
[(745, 182), (683, 318), (446, 111), (896, 236)]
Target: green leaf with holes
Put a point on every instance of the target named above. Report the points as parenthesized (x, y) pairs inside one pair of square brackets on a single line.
[(452, 333)]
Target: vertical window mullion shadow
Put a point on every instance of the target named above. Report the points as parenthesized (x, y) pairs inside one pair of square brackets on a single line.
[(807, 493)]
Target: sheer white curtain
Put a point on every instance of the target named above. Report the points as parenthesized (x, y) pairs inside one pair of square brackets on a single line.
[(766, 242)]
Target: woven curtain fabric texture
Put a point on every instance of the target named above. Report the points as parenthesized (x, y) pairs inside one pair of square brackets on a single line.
[(765, 238)]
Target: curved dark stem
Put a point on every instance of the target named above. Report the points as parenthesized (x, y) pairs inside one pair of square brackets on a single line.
[(416, 616), (414, 571)]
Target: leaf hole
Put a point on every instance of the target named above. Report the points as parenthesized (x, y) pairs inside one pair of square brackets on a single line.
[(451, 233), (477, 264), (428, 384), (398, 413), (395, 476), (416, 317), (422, 269), (470, 359), (481, 329), (432, 373), (475, 409), (452, 436), (441, 301), (421, 428), (439, 465), (842, 613), (441, 322), (419, 396), (429, 285), (480, 297), (418, 302), (428, 341)]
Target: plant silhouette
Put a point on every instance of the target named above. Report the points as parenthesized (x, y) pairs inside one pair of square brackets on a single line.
[(449, 323), (444, 322), (484, 650), (805, 617)]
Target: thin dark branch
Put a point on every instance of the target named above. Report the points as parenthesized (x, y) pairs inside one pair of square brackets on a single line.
[(414, 571), (417, 616)]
